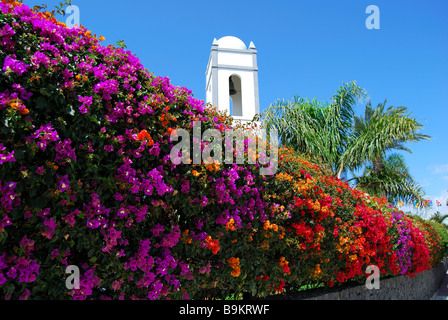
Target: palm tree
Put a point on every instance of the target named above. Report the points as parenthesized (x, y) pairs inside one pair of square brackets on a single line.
[(438, 217), (389, 177), (379, 131), (332, 135), (319, 131)]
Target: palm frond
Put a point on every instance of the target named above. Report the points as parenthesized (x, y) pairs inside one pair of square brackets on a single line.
[(438, 217), (393, 181)]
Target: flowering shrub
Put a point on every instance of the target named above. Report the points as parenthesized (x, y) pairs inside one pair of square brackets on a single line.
[(435, 235), (86, 180), (331, 232)]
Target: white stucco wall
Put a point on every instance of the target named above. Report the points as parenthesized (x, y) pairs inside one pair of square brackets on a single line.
[(235, 59)]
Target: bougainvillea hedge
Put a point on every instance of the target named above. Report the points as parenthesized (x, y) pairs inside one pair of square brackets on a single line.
[(86, 180)]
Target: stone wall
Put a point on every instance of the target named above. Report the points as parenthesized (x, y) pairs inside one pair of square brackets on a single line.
[(421, 287)]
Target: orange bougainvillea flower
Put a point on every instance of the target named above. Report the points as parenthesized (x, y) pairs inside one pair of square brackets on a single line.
[(213, 167), (234, 264), (212, 244), (14, 3), (186, 237), (82, 78), (145, 136), (18, 105), (195, 173), (230, 225), (283, 177), (317, 271), (267, 225), (235, 273)]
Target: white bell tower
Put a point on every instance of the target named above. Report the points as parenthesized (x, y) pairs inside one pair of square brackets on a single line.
[(232, 78)]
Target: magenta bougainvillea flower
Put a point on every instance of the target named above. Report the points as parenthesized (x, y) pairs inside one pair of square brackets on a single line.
[(11, 64), (106, 88), (6, 156), (86, 102), (44, 135), (63, 183), (39, 59), (65, 152)]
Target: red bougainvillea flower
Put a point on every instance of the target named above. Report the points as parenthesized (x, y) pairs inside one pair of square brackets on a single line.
[(284, 264), (146, 137), (212, 245)]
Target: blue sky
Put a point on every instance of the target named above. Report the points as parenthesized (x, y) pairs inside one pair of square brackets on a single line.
[(305, 47)]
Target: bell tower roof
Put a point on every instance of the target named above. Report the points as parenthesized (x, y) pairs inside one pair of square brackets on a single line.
[(231, 42)]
